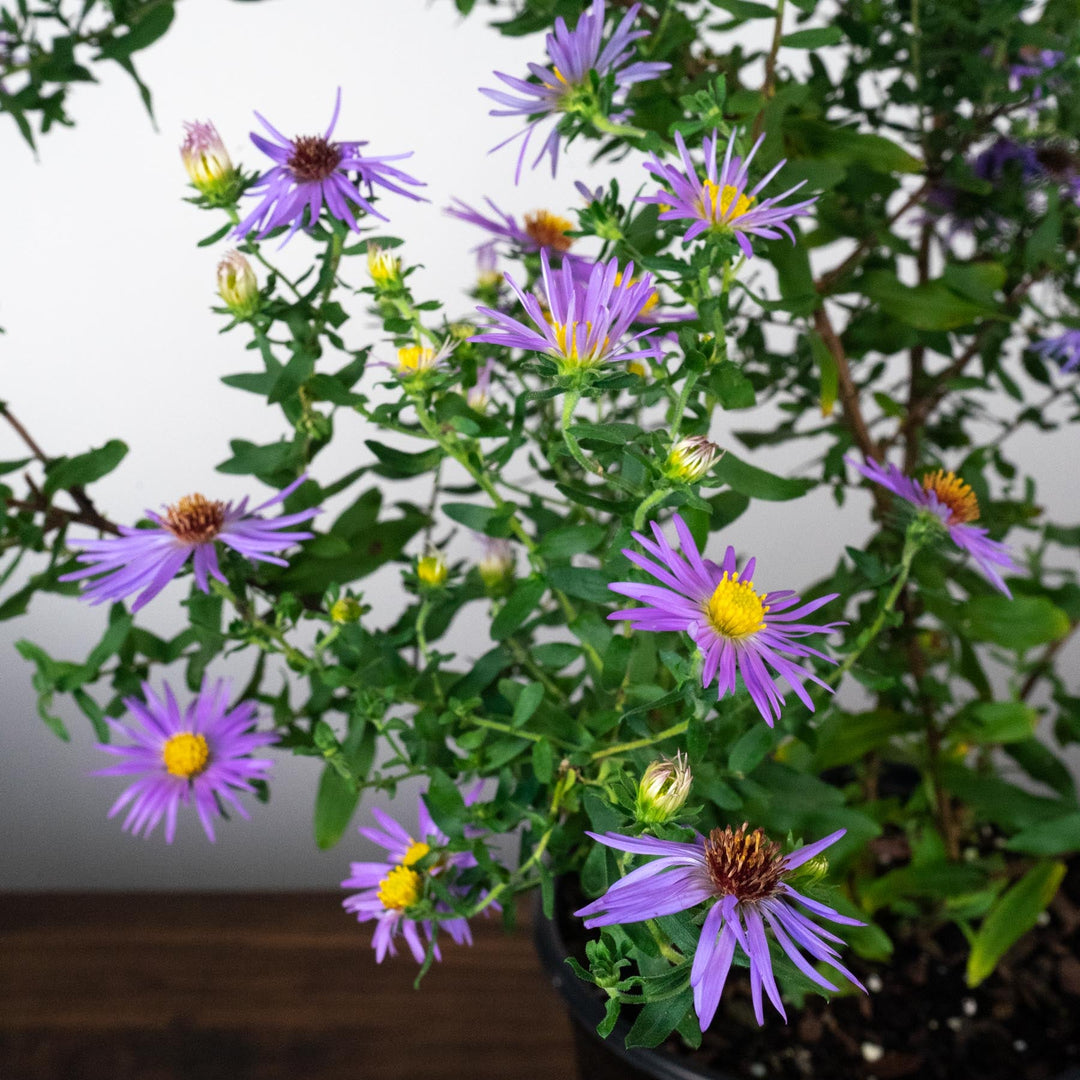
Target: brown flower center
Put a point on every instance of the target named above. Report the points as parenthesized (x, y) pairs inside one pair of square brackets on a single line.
[(745, 865), (313, 158), (195, 519), (953, 493), (549, 230)]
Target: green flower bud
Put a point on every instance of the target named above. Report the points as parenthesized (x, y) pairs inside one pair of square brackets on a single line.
[(432, 570), (237, 285), (690, 459), (663, 790), (346, 610)]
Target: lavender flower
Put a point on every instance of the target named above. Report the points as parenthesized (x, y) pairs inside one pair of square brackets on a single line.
[(564, 87), (388, 889), (745, 873), (585, 323), (720, 203), (1065, 348), (1034, 63), (480, 394), (148, 559), (946, 496), (541, 231), (201, 755), (992, 162), (310, 172), (738, 630)]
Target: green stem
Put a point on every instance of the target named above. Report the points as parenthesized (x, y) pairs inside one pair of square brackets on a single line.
[(647, 504), (680, 405), (911, 547), (609, 127), (512, 883), (569, 404), (637, 744)]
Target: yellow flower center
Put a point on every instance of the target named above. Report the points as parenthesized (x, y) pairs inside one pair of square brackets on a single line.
[(735, 610), (415, 358), (570, 359), (560, 79), (549, 230), (431, 570), (186, 755), (953, 493), (195, 519), (417, 850), (400, 888), (723, 204)]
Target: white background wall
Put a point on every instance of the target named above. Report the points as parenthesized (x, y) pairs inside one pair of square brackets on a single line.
[(105, 299)]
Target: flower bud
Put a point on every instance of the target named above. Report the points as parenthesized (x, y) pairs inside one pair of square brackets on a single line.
[(496, 565), (237, 285), (478, 396), (487, 267), (208, 164), (691, 458), (432, 570), (383, 266), (346, 610), (663, 790)]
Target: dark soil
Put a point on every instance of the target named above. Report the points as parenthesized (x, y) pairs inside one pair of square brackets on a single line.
[(920, 1019)]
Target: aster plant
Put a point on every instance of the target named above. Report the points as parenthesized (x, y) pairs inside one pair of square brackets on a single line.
[(739, 770)]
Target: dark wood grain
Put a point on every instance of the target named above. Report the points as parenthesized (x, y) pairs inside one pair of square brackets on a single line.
[(259, 987)]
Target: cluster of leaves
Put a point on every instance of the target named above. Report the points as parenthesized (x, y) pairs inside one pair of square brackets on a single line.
[(559, 708)]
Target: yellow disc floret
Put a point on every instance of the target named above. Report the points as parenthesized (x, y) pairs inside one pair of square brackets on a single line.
[(549, 230), (735, 610), (723, 204), (417, 850), (400, 889), (567, 357), (953, 493), (413, 359), (186, 755)]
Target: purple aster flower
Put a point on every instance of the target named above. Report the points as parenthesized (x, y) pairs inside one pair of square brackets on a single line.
[(738, 630), (745, 873), (564, 87), (951, 500), (720, 203), (542, 230), (389, 888), (993, 161), (148, 559), (310, 171), (200, 755), (584, 324), (1064, 348), (1034, 64)]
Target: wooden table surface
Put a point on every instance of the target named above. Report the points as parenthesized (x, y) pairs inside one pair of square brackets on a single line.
[(284, 986)]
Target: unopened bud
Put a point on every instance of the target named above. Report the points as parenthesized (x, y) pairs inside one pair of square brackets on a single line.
[(496, 565), (663, 790), (208, 164), (237, 285), (383, 266), (691, 458), (478, 396), (432, 570), (346, 610)]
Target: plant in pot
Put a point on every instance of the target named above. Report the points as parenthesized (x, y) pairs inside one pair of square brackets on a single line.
[(813, 828)]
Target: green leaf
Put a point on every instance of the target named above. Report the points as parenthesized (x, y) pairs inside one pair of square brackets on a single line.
[(817, 38), (745, 9), (658, 1019), (482, 519), (527, 703), (64, 473), (543, 761), (396, 463), (144, 32), (750, 749), (335, 802), (569, 540), (1014, 914), (1020, 623), (757, 483), (929, 306), (445, 803), (251, 460), (818, 139), (1059, 836), (582, 582), (518, 607), (618, 434), (997, 722)]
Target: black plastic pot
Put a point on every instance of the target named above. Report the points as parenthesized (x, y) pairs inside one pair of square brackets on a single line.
[(608, 1059)]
